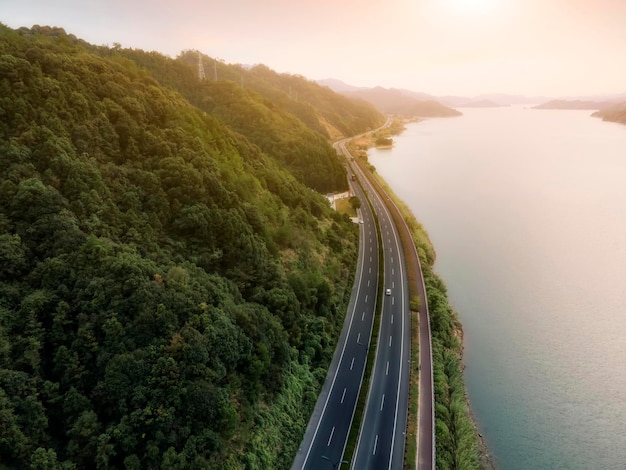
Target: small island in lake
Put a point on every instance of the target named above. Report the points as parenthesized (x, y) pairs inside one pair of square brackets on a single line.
[(384, 142)]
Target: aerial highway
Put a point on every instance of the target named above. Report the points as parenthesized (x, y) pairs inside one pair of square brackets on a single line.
[(325, 440), (385, 207), (382, 434)]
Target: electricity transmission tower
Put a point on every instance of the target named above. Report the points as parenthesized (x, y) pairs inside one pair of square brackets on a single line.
[(201, 75)]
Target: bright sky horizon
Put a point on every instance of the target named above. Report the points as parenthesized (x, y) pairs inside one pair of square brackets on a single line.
[(555, 48)]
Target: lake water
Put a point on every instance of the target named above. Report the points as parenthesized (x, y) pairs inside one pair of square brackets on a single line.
[(527, 212)]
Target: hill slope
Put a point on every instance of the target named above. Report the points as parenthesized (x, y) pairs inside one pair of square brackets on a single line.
[(288, 117), (391, 101), (169, 291), (615, 113)]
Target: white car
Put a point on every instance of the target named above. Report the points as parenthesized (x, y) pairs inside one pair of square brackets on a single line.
[(388, 292)]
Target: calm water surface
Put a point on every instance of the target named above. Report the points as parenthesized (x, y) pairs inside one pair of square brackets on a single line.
[(527, 211)]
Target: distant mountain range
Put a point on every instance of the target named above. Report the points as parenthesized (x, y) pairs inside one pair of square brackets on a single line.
[(491, 100), (393, 101), (482, 101), (574, 104), (374, 96)]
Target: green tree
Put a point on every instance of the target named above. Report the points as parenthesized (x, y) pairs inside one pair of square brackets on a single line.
[(44, 459)]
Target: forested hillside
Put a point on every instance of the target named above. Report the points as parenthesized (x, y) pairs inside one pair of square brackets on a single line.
[(287, 116), (171, 285)]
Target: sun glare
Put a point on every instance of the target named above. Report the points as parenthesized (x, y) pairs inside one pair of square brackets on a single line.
[(471, 7)]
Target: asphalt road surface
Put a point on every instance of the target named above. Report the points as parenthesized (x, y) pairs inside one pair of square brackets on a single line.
[(326, 436), (426, 406), (382, 434)]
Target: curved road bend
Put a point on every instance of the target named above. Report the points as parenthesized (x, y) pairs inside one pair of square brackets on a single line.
[(325, 439)]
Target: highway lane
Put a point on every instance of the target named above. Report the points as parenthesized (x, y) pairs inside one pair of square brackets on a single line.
[(426, 406), (383, 430), (326, 436), (382, 434)]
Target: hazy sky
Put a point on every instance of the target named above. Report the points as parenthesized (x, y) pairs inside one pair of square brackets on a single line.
[(549, 47)]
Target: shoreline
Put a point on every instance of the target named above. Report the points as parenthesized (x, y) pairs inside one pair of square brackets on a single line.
[(485, 457), (360, 148)]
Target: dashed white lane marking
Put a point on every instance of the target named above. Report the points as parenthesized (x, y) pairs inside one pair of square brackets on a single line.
[(331, 436), (382, 402), (375, 444), (387, 369), (358, 337), (390, 340), (363, 317), (366, 298), (392, 318), (343, 395), (352, 364)]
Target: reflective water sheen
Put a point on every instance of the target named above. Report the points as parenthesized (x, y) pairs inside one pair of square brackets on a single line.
[(527, 211)]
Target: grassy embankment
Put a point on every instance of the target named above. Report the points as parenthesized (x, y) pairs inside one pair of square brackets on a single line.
[(343, 206), (457, 440)]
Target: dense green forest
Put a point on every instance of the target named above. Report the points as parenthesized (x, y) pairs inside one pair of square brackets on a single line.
[(287, 116), (172, 282)]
